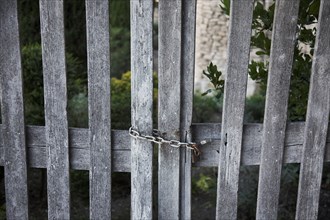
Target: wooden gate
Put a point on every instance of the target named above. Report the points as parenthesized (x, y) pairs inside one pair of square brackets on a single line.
[(102, 151)]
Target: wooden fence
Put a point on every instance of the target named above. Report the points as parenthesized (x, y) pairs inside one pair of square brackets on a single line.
[(102, 150)]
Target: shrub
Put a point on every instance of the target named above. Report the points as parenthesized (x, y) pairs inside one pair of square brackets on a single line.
[(206, 109), (121, 101), (254, 109), (33, 82), (75, 31)]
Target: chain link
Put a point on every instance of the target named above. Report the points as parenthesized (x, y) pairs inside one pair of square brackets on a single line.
[(156, 138)]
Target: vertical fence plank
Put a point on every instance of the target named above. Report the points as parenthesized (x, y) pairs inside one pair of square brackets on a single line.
[(55, 92), (13, 113), (241, 12), (316, 121), (187, 94), (142, 97), (281, 59), (169, 107), (98, 54)]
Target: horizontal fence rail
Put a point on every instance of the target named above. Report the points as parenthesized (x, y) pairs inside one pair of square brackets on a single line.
[(121, 142)]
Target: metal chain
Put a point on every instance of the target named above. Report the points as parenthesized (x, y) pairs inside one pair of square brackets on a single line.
[(156, 138)]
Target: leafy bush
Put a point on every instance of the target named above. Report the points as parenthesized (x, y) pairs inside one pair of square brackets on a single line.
[(33, 82), (262, 25), (121, 101), (304, 48), (206, 109), (75, 31), (120, 61), (254, 109), (77, 92), (78, 110)]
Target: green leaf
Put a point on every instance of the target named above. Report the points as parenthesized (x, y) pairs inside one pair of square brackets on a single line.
[(225, 6), (314, 8), (260, 53), (207, 92)]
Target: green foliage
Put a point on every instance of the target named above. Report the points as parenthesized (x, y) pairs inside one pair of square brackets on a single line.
[(29, 21), (225, 6), (120, 37), (214, 76), (120, 13), (262, 17), (78, 110), (258, 70), (206, 109), (120, 61), (262, 25), (3, 211), (75, 31), (33, 82), (254, 109), (205, 183), (121, 101), (79, 184)]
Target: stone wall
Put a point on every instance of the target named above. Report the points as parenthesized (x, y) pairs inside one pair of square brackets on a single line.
[(211, 40)]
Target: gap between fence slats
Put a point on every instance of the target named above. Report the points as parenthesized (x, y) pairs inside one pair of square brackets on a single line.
[(241, 12), (98, 64), (316, 121), (169, 107), (121, 146), (14, 155), (187, 93), (142, 98), (55, 95), (280, 68)]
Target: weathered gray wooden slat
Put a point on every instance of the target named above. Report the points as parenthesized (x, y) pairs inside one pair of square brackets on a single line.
[(12, 113), (55, 95), (169, 107), (280, 68), (98, 62), (187, 93), (142, 98), (121, 145), (316, 121), (241, 12)]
